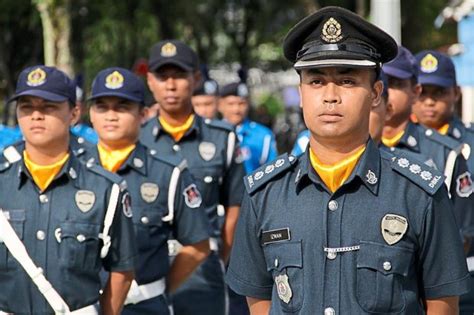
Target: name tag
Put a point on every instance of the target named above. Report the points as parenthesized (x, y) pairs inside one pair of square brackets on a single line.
[(274, 236)]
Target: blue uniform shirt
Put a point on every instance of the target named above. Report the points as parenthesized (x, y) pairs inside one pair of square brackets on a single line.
[(301, 143), (464, 134), (60, 229), (257, 144), (210, 149), (159, 189), (8, 136), (381, 243), (433, 149)]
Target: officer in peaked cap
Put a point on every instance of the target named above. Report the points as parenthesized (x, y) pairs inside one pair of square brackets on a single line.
[(329, 232), (257, 142), (211, 150), (160, 189), (72, 219)]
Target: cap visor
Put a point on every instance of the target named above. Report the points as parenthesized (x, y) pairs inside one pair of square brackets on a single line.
[(436, 80), (397, 73), (52, 97), (177, 63), (352, 63), (117, 94)]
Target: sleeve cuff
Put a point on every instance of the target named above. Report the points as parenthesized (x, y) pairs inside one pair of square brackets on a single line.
[(454, 288), (246, 289), (124, 265)]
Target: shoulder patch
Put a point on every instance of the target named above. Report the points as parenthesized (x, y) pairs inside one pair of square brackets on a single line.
[(444, 140), (104, 173), (267, 172), (427, 178), (220, 124)]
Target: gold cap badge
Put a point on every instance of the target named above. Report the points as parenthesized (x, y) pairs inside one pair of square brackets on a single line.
[(332, 31), (429, 64), (168, 50), (36, 77), (114, 80)]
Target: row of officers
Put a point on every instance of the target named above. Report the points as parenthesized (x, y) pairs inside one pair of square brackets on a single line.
[(375, 215)]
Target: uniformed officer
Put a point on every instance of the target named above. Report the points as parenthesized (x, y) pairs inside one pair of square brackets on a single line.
[(426, 144), (160, 190), (257, 142), (210, 148), (435, 109), (439, 95), (72, 219), (205, 99), (345, 228)]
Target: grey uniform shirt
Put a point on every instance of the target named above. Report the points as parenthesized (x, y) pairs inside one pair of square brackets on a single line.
[(383, 242)]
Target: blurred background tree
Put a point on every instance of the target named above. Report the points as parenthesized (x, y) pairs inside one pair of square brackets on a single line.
[(86, 36)]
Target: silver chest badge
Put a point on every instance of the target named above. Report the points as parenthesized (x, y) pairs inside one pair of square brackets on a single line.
[(207, 150), (283, 288), (393, 228), (149, 192), (85, 200)]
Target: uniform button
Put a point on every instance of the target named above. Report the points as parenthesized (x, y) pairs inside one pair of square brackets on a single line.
[(392, 149), (329, 311), (331, 255), (80, 238), (40, 235), (43, 198), (333, 205), (387, 266), (152, 152), (276, 262), (145, 220), (176, 147), (208, 179), (429, 132), (80, 140)]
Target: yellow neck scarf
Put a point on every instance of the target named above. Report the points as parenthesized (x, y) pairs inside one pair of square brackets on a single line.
[(112, 160), (391, 142), (43, 175), (444, 129), (335, 175), (177, 132)]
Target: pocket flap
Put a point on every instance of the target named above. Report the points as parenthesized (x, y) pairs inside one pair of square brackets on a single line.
[(284, 254), (385, 259), (80, 231), (149, 216)]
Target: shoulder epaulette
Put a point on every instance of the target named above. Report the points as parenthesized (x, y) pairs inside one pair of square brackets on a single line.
[(267, 172), (425, 177), (469, 127), (217, 123), (444, 140), (116, 179), (174, 161)]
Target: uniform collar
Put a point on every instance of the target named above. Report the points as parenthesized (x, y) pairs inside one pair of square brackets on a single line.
[(367, 170), (411, 138), (136, 160), (70, 170), (157, 129), (456, 129)]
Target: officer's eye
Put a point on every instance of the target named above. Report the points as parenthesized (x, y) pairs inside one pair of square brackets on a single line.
[(347, 82), (316, 82)]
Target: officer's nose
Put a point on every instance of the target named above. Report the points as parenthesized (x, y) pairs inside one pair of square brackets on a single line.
[(330, 95), (37, 114), (170, 83), (111, 115), (428, 100)]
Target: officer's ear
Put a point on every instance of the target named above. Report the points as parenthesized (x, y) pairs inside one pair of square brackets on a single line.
[(299, 91), (376, 94), (457, 93), (75, 114)]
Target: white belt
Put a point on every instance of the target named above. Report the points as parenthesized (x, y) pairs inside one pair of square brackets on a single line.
[(139, 293), (470, 263), (88, 310), (174, 247)]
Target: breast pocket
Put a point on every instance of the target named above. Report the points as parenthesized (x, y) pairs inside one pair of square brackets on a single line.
[(16, 218), (285, 262), (149, 228), (381, 271), (208, 180), (79, 246)]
